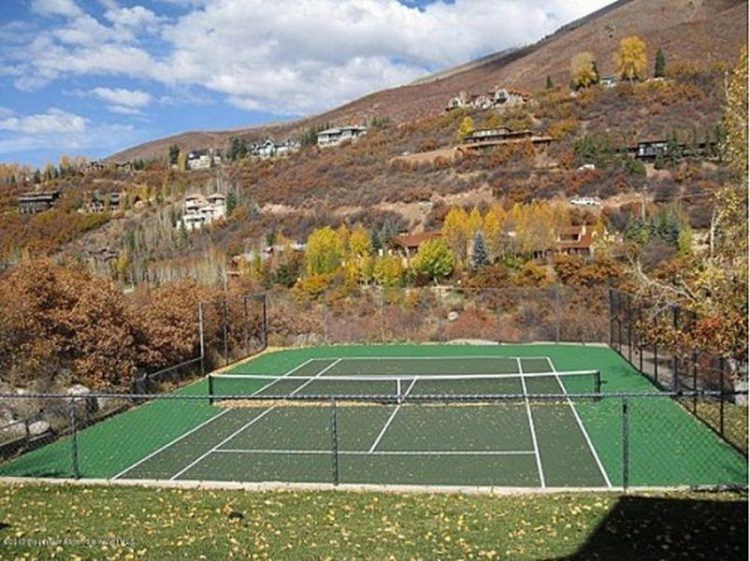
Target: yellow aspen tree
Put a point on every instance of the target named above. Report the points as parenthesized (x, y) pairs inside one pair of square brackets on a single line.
[(454, 231), (474, 223), (631, 58), (583, 70), (360, 243), (492, 228), (465, 128)]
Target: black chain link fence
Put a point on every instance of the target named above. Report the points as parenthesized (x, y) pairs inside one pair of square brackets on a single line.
[(439, 314), (636, 329)]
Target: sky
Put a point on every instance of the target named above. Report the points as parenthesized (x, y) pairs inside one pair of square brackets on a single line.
[(91, 77)]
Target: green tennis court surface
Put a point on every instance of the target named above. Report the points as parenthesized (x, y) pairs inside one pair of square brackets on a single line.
[(524, 442)]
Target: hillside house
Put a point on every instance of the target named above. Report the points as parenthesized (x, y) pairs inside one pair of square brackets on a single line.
[(457, 102), (573, 240), (497, 97), (651, 149), (508, 97), (203, 159), (337, 135), (487, 138), (201, 210), (270, 148), (96, 165), (406, 246), (608, 81), (100, 203), (37, 201)]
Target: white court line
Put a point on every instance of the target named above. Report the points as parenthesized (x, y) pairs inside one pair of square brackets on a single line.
[(276, 379), (583, 429), (531, 426), (390, 419), (227, 439), (245, 426), (492, 357), (378, 452), (168, 444)]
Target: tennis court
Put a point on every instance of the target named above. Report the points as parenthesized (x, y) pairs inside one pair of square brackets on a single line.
[(407, 415), (509, 444)]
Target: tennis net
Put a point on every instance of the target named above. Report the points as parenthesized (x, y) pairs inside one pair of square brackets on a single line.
[(402, 387)]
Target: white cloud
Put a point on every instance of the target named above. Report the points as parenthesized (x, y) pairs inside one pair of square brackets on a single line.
[(291, 57), (123, 101), (60, 130), (56, 8), (54, 121)]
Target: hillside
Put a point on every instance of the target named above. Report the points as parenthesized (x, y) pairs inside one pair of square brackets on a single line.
[(700, 32)]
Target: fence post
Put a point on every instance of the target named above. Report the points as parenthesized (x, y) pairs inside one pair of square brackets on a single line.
[(201, 338), (630, 329), (245, 331), (264, 307), (656, 355), (611, 316), (695, 382), (640, 338), (625, 445), (721, 396), (225, 330), (558, 314), (73, 439), (334, 444)]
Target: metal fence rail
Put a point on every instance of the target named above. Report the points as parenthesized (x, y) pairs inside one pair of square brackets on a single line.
[(617, 440)]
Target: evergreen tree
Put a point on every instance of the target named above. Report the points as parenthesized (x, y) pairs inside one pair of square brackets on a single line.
[(231, 202), (660, 66), (174, 153), (549, 85), (479, 252)]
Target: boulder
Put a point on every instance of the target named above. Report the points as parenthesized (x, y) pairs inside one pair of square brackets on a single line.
[(452, 316), (38, 427)]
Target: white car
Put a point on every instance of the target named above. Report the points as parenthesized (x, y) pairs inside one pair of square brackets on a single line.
[(586, 201)]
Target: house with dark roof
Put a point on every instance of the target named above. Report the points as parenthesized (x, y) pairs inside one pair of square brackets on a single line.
[(488, 138), (407, 245), (37, 201)]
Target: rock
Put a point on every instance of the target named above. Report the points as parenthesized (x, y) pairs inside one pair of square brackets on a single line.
[(78, 390), (82, 401), (38, 427), (108, 403), (740, 386), (306, 339), (452, 316)]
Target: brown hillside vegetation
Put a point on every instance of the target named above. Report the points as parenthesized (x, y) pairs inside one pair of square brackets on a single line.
[(701, 32)]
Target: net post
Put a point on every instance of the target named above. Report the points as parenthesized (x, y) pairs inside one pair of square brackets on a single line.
[(399, 399), (625, 445), (598, 384), (334, 444), (210, 389), (73, 440)]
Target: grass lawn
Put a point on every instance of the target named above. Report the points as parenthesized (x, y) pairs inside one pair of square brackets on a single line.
[(65, 522)]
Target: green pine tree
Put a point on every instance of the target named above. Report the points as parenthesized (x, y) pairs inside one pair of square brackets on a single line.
[(479, 257), (549, 85), (660, 66)]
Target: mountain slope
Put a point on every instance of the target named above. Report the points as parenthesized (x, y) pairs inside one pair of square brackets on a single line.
[(701, 32)]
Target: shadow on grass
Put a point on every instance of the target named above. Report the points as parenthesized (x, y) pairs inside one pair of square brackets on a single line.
[(645, 529)]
